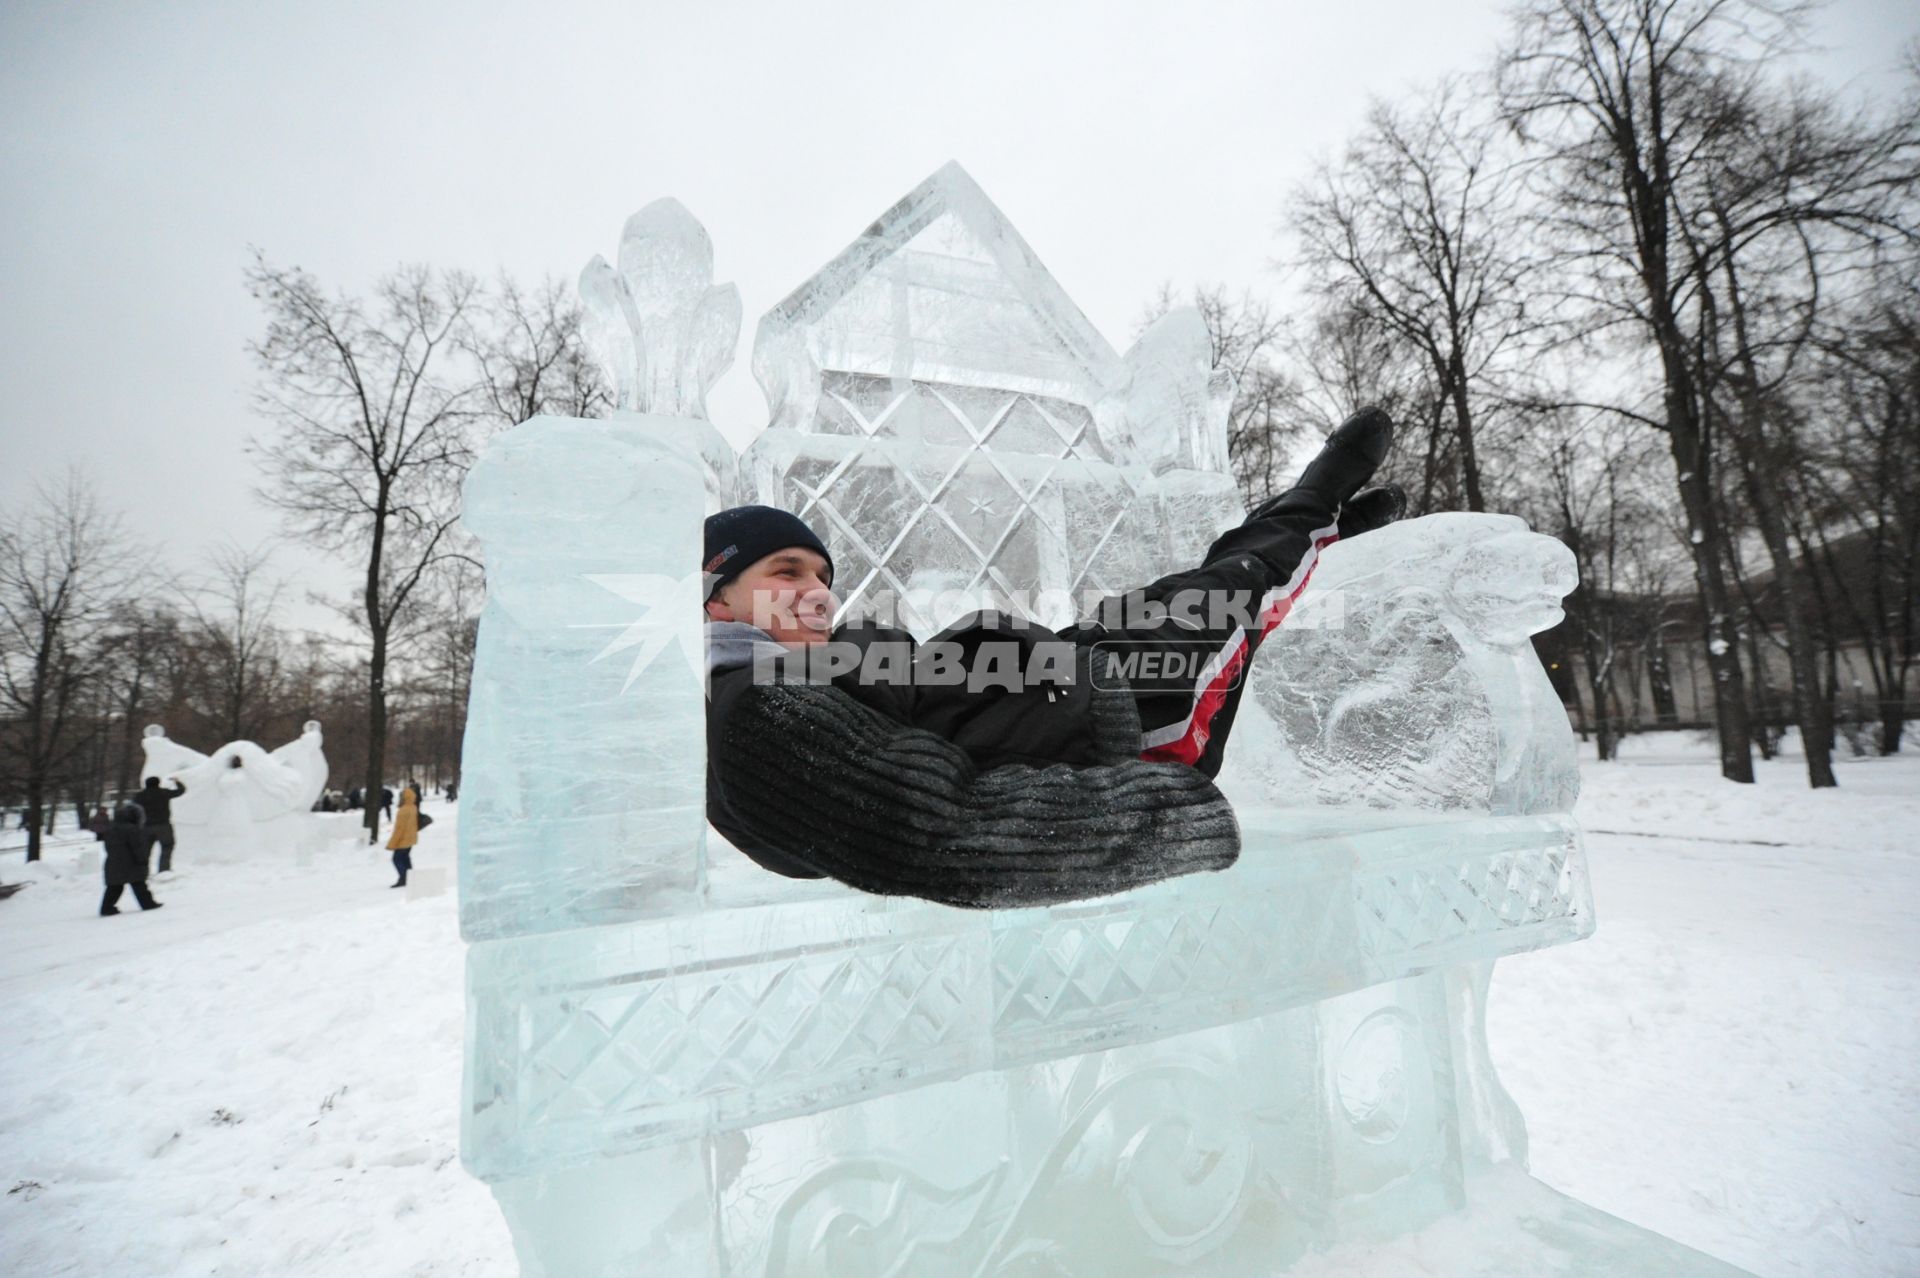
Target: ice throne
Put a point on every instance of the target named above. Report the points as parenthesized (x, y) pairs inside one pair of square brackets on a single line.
[(680, 1064)]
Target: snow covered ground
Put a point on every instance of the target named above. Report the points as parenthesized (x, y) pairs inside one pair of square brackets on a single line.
[(261, 1079)]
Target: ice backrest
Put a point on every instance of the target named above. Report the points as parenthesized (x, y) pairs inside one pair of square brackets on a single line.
[(963, 436)]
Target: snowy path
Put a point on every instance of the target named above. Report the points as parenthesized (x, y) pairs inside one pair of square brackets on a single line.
[(263, 1078), (45, 944)]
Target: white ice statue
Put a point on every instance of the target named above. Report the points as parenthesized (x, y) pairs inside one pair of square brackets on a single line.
[(240, 800), (678, 1063)]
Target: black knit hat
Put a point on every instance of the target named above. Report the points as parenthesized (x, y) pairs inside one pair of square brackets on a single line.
[(739, 538)]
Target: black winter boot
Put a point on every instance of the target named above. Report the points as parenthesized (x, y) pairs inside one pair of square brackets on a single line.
[(1351, 455)]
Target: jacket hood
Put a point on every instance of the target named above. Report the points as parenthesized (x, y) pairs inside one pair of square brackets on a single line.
[(129, 814)]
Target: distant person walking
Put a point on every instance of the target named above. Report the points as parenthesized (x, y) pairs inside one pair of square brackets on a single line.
[(127, 859), (99, 822), (386, 802), (406, 833), (157, 805)]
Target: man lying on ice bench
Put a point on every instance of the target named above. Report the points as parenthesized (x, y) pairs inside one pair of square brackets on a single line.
[(1001, 764)]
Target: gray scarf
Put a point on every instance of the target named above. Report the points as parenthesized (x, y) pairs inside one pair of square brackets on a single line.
[(731, 644)]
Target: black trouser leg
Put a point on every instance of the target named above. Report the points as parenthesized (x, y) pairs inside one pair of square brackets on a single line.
[(112, 897), (403, 862), (1183, 642), (164, 834), (141, 894)]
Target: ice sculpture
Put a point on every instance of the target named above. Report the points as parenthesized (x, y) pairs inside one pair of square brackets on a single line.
[(243, 802), (1408, 677), (660, 327), (680, 1064)]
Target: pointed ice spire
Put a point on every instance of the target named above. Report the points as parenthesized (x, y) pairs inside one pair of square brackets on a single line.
[(1173, 408)]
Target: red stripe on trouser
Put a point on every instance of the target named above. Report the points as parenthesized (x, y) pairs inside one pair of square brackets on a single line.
[(1189, 747)]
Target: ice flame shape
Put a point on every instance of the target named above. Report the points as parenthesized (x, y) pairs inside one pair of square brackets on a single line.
[(661, 330)]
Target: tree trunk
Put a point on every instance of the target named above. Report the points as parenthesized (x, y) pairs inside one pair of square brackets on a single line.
[(1666, 710), (1463, 430), (1430, 470), (123, 773), (376, 732), (1599, 673), (1706, 543), (35, 797), (1647, 188), (376, 672), (1810, 710), (1761, 692)]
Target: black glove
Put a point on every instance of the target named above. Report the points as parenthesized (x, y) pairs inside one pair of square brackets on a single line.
[(1375, 508)]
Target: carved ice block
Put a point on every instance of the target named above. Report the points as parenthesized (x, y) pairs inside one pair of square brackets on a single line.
[(583, 768)]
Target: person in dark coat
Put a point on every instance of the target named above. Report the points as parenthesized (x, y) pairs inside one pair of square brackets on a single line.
[(127, 859), (386, 801), (157, 805), (845, 753), (99, 822)]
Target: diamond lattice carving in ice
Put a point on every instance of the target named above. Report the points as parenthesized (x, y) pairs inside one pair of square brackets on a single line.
[(939, 500), (1426, 906), (1069, 971), (742, 1028)]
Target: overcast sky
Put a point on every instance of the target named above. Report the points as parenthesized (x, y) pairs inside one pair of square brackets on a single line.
[(146, 147)]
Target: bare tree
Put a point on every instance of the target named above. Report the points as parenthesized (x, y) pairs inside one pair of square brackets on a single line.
[(1414, 231), (527, 345), (442, 673), (64, 563), (141, 636), (1867, 500), (373, 413), (1586, 486), (1803, 199), (1627, 98), (1343, 360), (237, 642), (1266, 417)]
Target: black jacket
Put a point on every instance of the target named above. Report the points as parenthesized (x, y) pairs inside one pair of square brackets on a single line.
[(157, 804), (972, 793), (126, 840)]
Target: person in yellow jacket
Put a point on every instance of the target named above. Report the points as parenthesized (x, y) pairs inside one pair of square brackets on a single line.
[(406, 833)]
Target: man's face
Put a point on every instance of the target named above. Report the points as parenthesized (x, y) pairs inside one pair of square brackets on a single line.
[(784, 594)]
